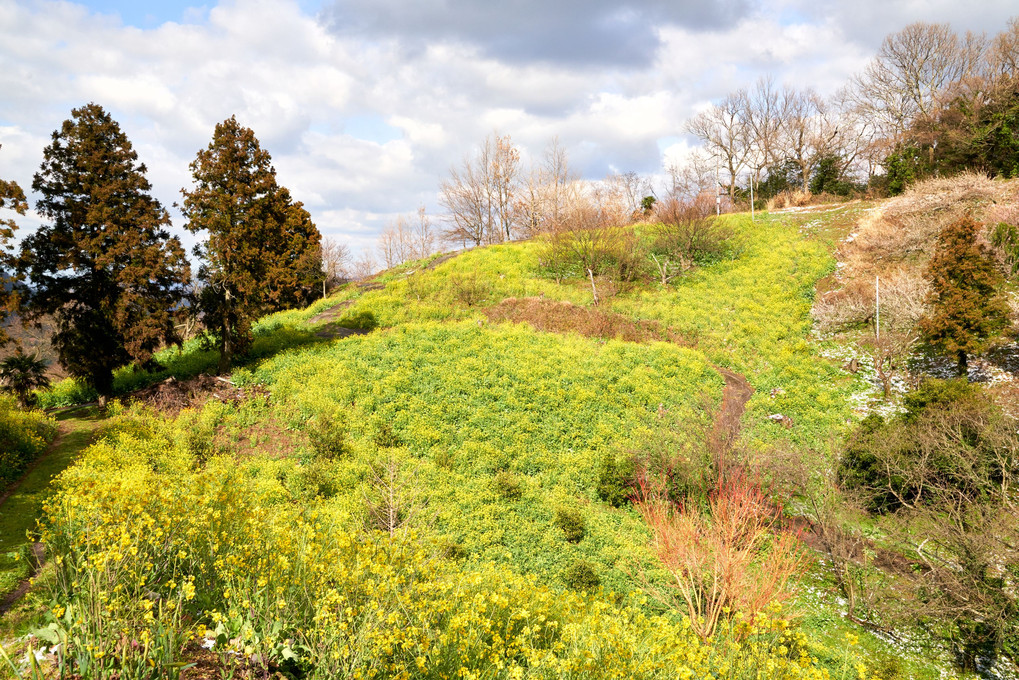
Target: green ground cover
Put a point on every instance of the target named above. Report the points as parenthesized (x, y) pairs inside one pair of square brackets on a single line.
[(18, 514), (486, 431)]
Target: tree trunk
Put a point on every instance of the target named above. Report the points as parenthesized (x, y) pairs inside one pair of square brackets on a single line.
[(225, 350), (963, 365)]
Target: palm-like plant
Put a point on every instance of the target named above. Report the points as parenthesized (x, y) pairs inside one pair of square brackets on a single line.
[(22, 373)]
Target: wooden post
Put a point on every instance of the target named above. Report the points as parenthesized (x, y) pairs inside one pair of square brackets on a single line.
[(877, 305)]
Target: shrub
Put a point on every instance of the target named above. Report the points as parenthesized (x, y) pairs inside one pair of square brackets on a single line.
[(952, 444), (730, 560), (612, 252), (581, 576), (318, 479), (615, 480), (933, 393), (384, 437), (508, 485), (468, 289), (572, 523), (327, 433), (21, 374), (362, 319), (683, 239)]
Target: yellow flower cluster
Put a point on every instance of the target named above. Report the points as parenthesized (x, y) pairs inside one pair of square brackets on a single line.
[(156, 551)]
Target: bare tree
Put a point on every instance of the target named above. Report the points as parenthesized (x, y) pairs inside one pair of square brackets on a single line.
[(396, 243), (764, 114), (529, 208), (504, 162), (903, 83), (478, 196), (809, 130), (632, 188), (336, 260), (561, 181), (422, 235), (726, 134), (364, 266), (692, 179), (545, 196), (1003, 53)]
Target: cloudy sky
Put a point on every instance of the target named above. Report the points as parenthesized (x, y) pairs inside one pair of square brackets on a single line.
[(365, 104)]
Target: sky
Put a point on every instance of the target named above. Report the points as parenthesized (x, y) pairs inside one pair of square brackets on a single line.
[(366, 104)]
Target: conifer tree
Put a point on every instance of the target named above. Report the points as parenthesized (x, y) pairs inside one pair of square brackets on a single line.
[(966, 308), (262, 253), (105, 266), (11, 198)]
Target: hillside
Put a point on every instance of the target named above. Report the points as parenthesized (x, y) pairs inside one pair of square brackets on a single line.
[(412, 478)]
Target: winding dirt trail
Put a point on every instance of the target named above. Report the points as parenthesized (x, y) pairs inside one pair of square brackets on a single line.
[(735, 395)]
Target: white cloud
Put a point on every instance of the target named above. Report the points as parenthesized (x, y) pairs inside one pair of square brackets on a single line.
[(364, 124)]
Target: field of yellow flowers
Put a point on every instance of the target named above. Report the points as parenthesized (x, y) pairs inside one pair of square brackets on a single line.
[(404, 515)]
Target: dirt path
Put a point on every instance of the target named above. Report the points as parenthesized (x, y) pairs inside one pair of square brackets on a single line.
[(735, 396), (331, 314), (21, 503)]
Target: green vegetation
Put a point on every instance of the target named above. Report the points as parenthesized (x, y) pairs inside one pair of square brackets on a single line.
[(476, 469), (21, 375), (222, 552), (24, 505), (23, 437)]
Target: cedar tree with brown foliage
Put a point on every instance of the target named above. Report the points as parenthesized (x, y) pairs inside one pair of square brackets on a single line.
[(105, 266), (11, 198), (966, 308), (263, 251)]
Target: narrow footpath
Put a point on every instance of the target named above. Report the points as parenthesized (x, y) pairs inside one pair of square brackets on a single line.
[(21, 503)]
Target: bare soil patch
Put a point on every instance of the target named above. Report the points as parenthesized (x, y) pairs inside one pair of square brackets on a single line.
[(331, 314), (735, 395), (173, 395), (564, 317)]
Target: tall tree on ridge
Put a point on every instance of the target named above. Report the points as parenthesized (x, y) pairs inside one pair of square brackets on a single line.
[(105, 267), (263, 252)]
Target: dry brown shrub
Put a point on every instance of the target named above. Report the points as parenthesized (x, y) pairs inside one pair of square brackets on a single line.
[(1003, 212), (734, 559), (173, 395), (904, 294), (850, 305), (909, 224), (793, 198), (563, 317)]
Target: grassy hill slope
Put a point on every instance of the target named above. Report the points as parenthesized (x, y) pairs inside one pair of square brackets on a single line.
[(466, 441)]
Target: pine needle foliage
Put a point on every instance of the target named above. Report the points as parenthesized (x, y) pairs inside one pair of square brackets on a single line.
[(967, 310), (262, 253), (104, 266)]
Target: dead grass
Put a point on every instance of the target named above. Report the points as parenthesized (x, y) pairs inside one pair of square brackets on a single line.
[(895, 241), (908, 225), (797, 198), (563, 317), (904, 293)]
